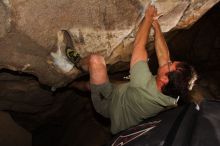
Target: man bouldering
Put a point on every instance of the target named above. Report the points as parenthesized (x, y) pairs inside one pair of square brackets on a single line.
[(144, 95)]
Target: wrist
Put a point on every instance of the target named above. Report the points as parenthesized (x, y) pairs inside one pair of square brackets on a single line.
[(148, 22), (157, 29), (156, 26)]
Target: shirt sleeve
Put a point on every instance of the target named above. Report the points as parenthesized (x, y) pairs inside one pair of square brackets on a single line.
[(140, 74)]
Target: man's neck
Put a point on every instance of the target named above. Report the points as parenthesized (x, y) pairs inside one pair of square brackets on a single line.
[(159, 84)]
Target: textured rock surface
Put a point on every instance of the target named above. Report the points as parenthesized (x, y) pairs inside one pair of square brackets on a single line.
[(106, 26), (5, 18)]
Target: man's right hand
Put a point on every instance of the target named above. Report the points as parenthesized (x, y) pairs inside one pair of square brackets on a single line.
[(150, 12), (155, 22)]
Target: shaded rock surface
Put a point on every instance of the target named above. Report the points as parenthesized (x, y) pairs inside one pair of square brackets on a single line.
[(51, 118), (200, 46), (11, 134)]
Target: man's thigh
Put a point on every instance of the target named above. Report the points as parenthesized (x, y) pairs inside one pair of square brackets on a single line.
[(101, 97)]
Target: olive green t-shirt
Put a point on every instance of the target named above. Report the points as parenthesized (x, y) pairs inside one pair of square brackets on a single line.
[(137, 100)]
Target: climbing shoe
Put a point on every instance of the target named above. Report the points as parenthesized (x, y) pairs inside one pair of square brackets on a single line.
[(70, 50)]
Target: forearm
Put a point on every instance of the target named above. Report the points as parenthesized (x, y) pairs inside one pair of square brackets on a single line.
[(161, 47), (139, 51), (142, 34)]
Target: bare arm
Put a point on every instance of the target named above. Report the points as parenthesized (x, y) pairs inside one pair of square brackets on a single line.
[(139, 52), (162, 49)]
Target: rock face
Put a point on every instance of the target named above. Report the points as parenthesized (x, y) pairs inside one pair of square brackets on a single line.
[(5, 19), (36, 116), (28, 31), (12, 134)]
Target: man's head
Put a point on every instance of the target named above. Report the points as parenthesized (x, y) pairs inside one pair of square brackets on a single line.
[(176, 79)]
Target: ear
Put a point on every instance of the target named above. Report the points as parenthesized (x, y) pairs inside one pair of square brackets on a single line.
[(164, 79)]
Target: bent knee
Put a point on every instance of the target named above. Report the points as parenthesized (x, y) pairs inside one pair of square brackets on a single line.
[(96, 60), (97, 69)]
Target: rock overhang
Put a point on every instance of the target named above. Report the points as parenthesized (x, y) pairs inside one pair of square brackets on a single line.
[(29, 30)]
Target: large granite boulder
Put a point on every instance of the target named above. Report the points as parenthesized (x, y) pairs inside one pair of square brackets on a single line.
[(28, 31)]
